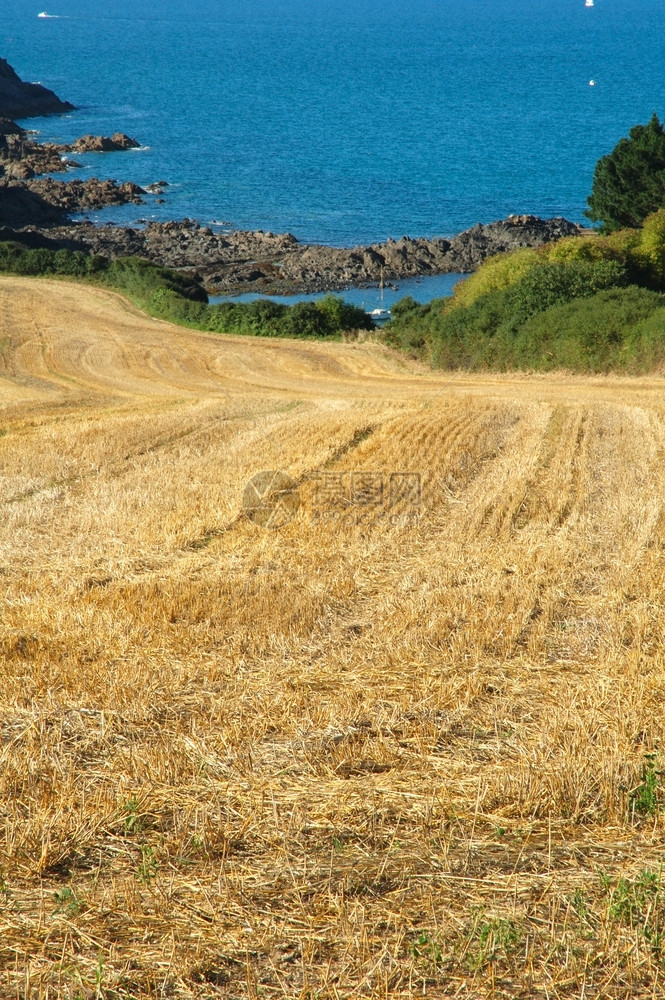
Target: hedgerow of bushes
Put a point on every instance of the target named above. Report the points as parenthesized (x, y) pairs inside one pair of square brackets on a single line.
[(586, 303), (180, 298)]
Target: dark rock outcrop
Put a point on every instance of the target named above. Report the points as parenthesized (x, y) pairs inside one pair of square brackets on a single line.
[(84, 196), (26, 100), (22, 158), (20, 207), (27, 202), (43, 203), (333, 268), (278, 263), (8, 127), (185, 245)]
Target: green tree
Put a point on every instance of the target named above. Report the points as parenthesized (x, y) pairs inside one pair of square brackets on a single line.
[(343, 315), (629, 183), (304, 319)]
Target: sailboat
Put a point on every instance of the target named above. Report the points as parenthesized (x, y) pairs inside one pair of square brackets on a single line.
[(382, 314)]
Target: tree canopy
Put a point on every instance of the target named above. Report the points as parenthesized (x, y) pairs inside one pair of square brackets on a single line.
[(629, 183)]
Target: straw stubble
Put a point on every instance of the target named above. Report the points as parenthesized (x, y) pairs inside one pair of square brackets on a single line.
[(389, 749)]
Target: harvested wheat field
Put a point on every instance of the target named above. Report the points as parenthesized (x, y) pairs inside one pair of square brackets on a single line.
[(401, 741)]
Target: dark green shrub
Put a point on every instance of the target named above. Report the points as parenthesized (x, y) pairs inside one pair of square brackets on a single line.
[(466, 338), (343, 316), (404, 306), (262, 317), (409, 322), (141, 278), (18, 259), (629, 183), (34, 263), (227, 317), (598, 334), (167, 304), (616, 328), (72, 262), (304, 319), (553, 284)]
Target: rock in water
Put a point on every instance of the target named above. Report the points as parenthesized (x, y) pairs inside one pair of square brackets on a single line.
[(26, 100), (103, 144)]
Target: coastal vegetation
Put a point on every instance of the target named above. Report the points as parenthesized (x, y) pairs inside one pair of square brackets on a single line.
[(591, 303), (587, 303)]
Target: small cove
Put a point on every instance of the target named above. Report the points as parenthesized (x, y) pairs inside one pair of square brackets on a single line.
[(422, 289)]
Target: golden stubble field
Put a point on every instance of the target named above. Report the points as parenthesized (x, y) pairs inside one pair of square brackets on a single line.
[(394, 748)]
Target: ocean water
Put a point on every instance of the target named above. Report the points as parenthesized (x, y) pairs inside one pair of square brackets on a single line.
[(347, 121)]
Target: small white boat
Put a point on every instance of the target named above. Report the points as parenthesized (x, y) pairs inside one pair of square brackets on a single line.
[(43, 14), (588, 3), (382, 314)]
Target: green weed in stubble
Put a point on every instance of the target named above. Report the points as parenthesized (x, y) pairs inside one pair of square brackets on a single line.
[(578, 902), (68, 903), (638, 905), (197, 845), (644, 799), (581, 907), (134, 820), (99, 974), (490, 938), (147, 868), (427, 950)]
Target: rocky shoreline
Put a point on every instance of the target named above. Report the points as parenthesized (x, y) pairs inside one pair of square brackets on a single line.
[(236, 261), (36, 210)]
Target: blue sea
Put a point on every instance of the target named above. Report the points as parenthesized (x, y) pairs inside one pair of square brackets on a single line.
[(346, 122)]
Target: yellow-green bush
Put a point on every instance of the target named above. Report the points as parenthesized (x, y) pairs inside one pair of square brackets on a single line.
[(625, 243), (496, 273), (652, 247), (641, 252), (576, 248)]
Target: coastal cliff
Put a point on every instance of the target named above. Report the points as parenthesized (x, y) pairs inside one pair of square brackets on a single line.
[(26, 100)]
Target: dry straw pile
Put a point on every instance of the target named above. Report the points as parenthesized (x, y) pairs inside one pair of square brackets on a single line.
[(358, 756)]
